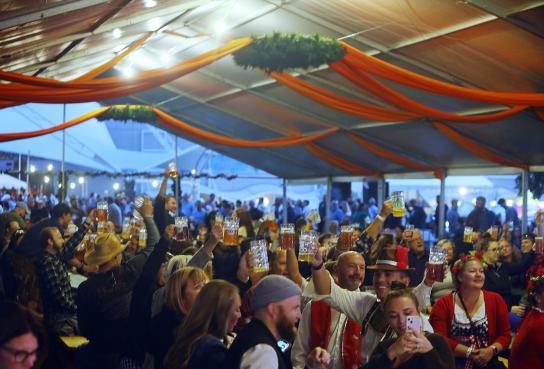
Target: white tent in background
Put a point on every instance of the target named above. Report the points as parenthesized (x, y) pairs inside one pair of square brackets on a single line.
[(8, 181)]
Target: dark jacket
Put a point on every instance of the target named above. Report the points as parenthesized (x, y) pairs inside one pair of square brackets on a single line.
[(162, 335), (497, 277), (440, 357), (104, 302), (161, 216), (140, 308), (209, 353), (253, 334)]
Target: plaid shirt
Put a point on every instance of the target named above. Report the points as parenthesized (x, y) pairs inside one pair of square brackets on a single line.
[(54, 280)]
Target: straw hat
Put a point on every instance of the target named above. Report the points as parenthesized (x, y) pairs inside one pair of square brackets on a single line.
[(106, 247)]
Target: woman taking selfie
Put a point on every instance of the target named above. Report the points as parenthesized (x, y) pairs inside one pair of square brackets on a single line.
[(413, 348), (201, 340), (474, 321)]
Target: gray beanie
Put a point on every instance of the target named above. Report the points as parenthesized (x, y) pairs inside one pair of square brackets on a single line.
[(273, 288)]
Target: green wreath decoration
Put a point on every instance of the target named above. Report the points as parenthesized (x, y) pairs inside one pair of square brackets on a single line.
[(279, 52), (136, 113)]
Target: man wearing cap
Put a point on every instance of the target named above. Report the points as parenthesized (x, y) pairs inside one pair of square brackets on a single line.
[(18, 214), (276, 302), (363, 307), (58, 303), (166, 206), (61, 215)]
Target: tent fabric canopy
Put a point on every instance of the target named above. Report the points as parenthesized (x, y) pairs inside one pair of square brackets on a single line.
[(463, 47)]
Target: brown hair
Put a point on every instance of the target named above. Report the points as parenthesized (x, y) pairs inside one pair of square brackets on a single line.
[(176, 284), (208, 315), (45, 235), (398, 290)]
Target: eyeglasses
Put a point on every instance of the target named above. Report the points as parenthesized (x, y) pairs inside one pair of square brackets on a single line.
[(19, 355)]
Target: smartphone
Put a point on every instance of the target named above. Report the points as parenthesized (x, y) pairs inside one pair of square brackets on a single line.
[(414, 322), (283, 345)]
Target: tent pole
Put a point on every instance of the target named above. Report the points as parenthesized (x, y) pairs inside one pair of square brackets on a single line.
[(19, 166), (328, 198), (27, 173), (62, 180), (442, 207), (381, 191), (284, 201), (524, 191), (177, 179)]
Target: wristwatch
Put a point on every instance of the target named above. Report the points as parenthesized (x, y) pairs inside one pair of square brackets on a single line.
[(495, 350)]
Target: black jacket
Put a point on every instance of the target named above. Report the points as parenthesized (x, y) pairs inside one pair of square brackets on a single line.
[(162, 335), (253, 334), (497, 278)]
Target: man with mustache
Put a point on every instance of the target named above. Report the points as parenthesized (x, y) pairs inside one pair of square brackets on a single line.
[(366, 308), (323, 326), (260, 344)]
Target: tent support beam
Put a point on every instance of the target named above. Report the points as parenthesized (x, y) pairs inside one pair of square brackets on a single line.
[(284, 201), (177, 168), (381, 191), (442, 208), (62, 171), (328, 199), (524, 192)]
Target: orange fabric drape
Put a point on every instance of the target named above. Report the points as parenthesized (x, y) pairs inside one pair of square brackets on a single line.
[(179, 127), (114, 87), (4, 137), (365, 81), (475, 147), (182, 127), (338, 162), (403, 76), (375, 149), (341, 103)]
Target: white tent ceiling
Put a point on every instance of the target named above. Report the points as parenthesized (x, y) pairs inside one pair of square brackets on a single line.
[(494, 44)]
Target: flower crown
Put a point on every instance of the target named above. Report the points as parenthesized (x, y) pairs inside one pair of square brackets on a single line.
[(472, 255), (535, 282)]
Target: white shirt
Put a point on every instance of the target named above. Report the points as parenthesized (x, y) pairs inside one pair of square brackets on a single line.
[(356, 304), (302, 345), (261, 356)]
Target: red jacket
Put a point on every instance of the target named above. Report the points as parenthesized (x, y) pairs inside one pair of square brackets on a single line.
[(497, 317), (527, 348)]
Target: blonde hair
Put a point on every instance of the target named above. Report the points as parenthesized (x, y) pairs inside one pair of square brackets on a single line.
[(176, 284), (444, 243)]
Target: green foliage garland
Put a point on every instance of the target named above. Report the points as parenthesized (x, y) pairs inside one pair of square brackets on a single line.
[(136, 113), (279, 52)]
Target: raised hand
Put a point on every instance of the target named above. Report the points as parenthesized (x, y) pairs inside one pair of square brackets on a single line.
[(386, 209), (169, 231)]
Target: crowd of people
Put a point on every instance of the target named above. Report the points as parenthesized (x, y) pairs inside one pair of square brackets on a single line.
[(142, 289)]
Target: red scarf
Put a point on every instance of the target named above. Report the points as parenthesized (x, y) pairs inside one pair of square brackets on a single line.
[(320, 327)]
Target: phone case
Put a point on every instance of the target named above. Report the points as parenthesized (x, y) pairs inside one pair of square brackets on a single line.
[(414, 322)]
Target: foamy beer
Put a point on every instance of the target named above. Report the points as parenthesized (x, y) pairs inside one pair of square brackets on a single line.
[(125, 232), (287, 236), (172, 170), (399, 210), (468, 235), (307, 246), (230, 231), (494, 232), (101, 216), (346, 237), (259, 256), (142, 238), (102, 212), (437, 259), (182, 228), (539, 245)]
